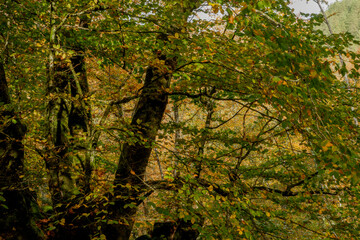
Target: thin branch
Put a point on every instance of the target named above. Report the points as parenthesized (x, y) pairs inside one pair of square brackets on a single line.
[(124, 100), (158, 161), (277, 24)]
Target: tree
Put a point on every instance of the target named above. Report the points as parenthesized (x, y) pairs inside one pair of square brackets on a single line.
[(18, 206), (245, 105), (344, 17), (18, 209)]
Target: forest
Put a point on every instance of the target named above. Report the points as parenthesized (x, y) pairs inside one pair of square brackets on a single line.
[(177, 119), (344, 17)]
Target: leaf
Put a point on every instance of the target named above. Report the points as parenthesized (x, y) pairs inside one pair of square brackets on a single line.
[(48, 208), (313, 73), (62, 222), (231, 19), (327, 145)]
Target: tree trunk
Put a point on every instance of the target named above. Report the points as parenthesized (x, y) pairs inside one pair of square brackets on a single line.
[(69, 118), (58, 160), (68, 133), (68, 121), (80, 120), (134, 157), (17, 203), (129, 178)]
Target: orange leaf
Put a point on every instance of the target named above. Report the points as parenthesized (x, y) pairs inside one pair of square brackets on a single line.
[(231, 19)]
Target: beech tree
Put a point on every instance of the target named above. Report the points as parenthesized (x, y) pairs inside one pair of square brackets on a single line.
[(221, 119)]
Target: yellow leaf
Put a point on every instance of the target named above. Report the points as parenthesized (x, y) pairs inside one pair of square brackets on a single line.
[(327, 146), (132, 172), (268, 214), (215, 8), (210, 188), (192, 220), (62, 221), (176, 35)]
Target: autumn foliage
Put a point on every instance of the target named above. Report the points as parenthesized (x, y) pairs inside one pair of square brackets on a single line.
[(207, 119)]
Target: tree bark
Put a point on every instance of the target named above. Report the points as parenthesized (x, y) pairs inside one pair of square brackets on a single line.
[(18, 205), (134, 157), (69, 118), (57, 159), (69, 134), (80, 120)]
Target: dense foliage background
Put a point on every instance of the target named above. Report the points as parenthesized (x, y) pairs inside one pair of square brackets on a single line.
[(221, 119)]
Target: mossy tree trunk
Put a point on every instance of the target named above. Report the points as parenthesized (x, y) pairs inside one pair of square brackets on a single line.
[(68, 118), (57, 157), (129, 178), (129, 183), (68, 131), (18, 205)]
